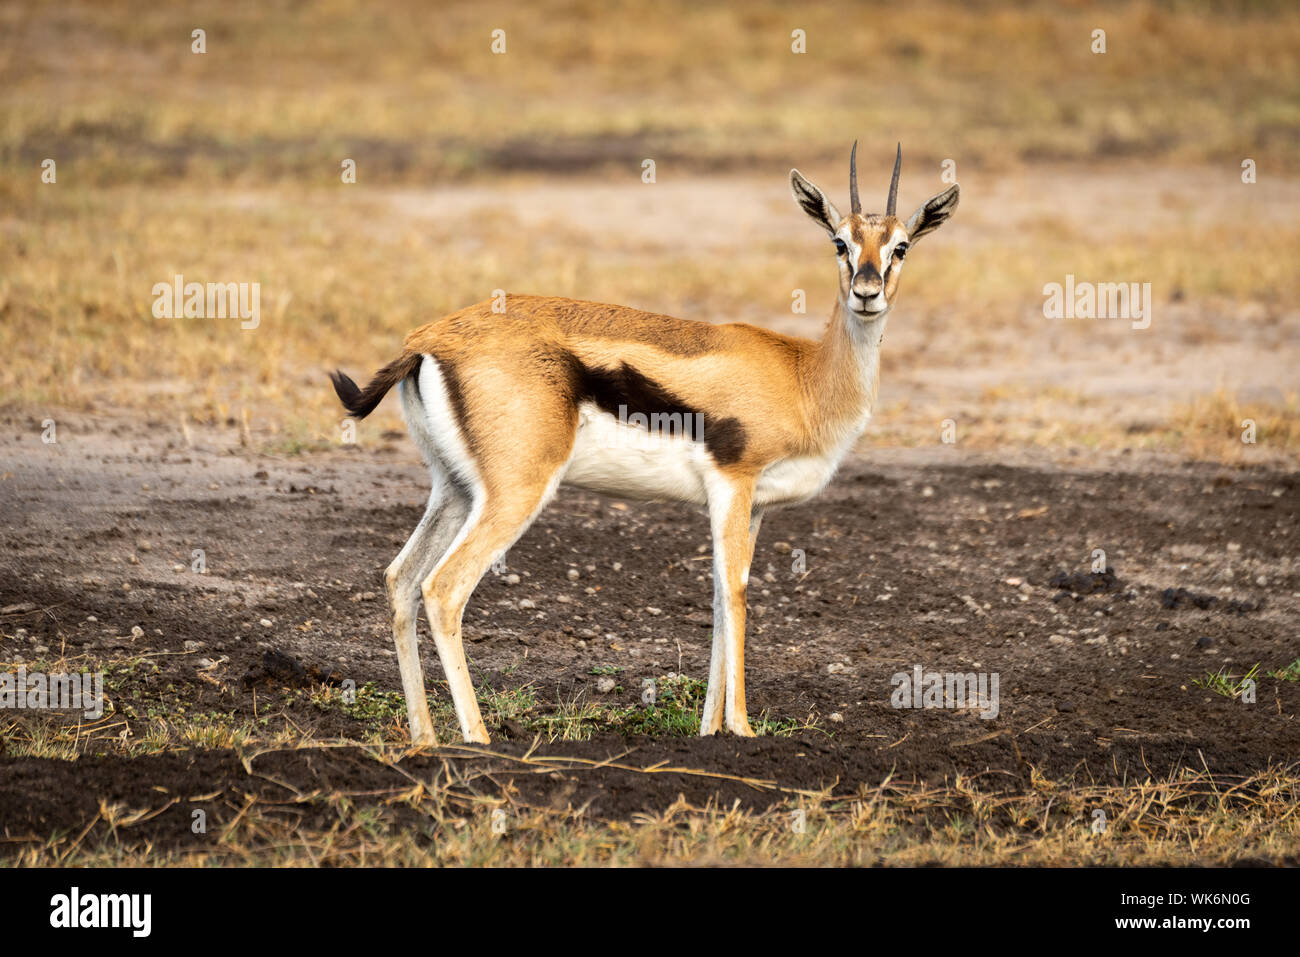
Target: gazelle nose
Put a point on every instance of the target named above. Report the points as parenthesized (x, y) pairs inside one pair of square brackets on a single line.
[(867, 282)]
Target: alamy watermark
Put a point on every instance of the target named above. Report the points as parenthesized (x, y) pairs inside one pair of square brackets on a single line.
[(38, 691), (664, 426), (214, 300), (942, 689), (1098, 300), (75, 909)]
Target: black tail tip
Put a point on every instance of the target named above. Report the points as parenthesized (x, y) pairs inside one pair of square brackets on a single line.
[(346, 390)]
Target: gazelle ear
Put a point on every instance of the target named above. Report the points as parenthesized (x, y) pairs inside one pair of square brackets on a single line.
[(933, 212), (814, 202)]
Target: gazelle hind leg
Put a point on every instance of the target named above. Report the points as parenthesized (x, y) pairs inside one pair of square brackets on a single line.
[(735, 528), (497, 521), (443, 519)]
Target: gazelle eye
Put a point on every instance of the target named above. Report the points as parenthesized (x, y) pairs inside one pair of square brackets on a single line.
[(900, 251), (840, 248)]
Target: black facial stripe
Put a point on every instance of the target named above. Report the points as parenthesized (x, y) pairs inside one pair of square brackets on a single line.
[(867, 273)]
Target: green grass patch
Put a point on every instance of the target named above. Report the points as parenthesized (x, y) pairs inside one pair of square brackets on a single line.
[(1222, 683)]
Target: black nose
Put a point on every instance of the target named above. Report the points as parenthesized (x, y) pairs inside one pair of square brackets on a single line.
[(867, 282)]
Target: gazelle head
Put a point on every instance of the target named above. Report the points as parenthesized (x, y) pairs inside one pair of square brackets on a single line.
[(870, 247)]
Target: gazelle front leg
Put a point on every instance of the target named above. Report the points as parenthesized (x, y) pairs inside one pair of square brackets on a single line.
[(735, 526)]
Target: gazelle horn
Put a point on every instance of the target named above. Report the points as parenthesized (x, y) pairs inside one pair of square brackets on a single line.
[(893, 183), (854, 202)]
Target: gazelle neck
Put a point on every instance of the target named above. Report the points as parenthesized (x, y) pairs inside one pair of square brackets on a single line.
[(845, 374)]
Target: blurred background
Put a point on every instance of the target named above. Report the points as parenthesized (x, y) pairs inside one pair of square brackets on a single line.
[(523, 170)]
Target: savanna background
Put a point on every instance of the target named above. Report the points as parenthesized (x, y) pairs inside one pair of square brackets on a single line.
[(522, 171)]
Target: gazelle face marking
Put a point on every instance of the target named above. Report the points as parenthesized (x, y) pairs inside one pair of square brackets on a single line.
[(869, 251), (870, 247)]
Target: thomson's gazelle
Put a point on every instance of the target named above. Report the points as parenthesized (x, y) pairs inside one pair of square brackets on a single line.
[(507, 406)]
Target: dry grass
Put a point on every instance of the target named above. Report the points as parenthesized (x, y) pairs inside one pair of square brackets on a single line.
[(467, 816), (1189, 818), (1222, 427), (1210, 427)]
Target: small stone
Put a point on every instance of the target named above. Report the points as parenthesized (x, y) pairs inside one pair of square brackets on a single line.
[(1059, 640), (527, 603), (835, 667), (781, 547), (836, 717), (1204, 641), (265, 622), (1065, 707), (573, 574), (606, 684), (651, 610), (194, 646), (1015, 582), (40, 649), (136, 632), (512, 579)]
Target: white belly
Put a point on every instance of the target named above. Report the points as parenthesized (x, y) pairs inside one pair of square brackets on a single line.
[(627, 460)]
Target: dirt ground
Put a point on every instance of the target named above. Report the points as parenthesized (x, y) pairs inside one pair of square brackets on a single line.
[(932, 556)]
